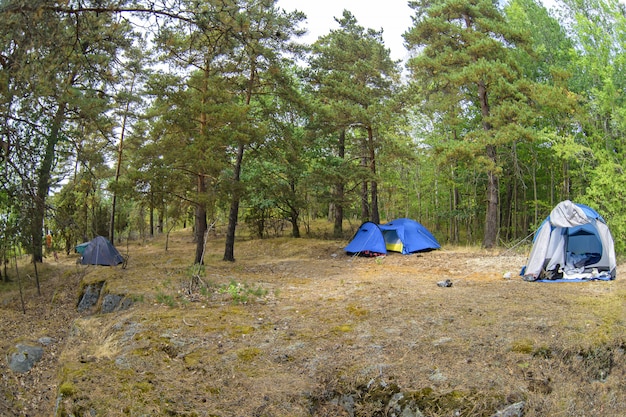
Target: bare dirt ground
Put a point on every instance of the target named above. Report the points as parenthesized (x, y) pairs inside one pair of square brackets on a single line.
[(297, 328)]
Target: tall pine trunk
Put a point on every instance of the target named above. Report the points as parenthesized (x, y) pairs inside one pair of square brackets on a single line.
[(233, 215), (229, 251), (491, 220), (120, 152), (200, 210), (365, 210), (491, 217), (375, 214), (200, 224), (339, 189), (294, 215), (43, 184)]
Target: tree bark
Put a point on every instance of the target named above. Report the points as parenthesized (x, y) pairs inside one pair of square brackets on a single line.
[(365, 209), (375, 214), (151, 214), (294, 214), (43, 184), (161, 216), (295, 228), (229, 251), (120, 151), (233, 215), (339, 189), (491, 220), (200, 224)]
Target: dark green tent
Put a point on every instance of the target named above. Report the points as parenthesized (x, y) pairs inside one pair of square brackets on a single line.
[(101, 252)]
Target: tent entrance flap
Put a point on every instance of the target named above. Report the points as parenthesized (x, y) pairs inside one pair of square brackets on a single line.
[(393, 241), (584, 239)]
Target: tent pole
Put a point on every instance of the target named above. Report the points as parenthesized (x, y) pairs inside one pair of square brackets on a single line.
[(516, 245)]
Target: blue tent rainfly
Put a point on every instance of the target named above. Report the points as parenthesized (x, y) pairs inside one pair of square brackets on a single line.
[(401, 235), (100, 251)]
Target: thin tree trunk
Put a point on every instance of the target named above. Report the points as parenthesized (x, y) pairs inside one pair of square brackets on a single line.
[(200, 219), (229, 251), (375, 214), (338, 211), (19, 282), (567, 183), (491, 221), (534, 178), (161, 218), (151, 215), (233, 215), (118, 168), (200, 210), (454, 219), (339, 189), (294, 214), (365, 210), (506, 203)]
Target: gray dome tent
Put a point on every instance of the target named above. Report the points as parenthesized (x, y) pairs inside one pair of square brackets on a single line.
[(573, 243), (100, 251)]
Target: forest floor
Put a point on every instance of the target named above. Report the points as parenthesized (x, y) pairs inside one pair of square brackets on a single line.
[(296, 328)]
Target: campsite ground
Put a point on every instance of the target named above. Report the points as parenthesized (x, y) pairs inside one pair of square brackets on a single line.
[(297, 328)]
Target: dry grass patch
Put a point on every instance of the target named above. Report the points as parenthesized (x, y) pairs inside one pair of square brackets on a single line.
[(296, 328)]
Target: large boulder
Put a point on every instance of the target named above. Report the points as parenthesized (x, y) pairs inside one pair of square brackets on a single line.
[(90, 296), (23, 357)]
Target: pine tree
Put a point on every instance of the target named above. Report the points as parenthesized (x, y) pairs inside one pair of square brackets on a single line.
[(465, 73), (352, 77)]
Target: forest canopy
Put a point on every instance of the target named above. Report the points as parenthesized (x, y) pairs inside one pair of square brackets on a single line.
[(129, 118)]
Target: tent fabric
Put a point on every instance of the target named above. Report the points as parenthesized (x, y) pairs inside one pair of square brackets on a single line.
[(574, 242), (367, 241), (553, 281), (81, 248), (400, 235), (101, 251), (408, 236)]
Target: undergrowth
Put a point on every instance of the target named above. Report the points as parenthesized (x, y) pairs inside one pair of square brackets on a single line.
[(240, 293)]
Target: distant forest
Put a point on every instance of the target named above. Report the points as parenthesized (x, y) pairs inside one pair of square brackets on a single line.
[(133, 117)]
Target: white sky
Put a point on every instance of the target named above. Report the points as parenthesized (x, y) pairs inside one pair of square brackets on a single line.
[(393, 16)]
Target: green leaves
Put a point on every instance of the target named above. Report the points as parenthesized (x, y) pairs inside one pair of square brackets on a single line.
[(606, 193), (508, 97)]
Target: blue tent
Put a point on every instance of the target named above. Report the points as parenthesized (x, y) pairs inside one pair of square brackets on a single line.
[(100, 251), (400, 235), (408, 236), (367, 241)]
